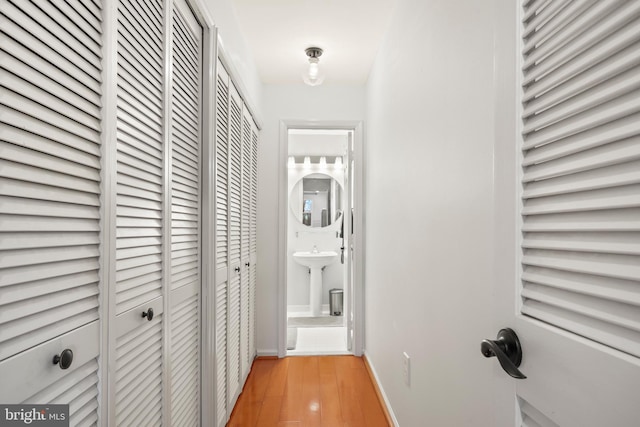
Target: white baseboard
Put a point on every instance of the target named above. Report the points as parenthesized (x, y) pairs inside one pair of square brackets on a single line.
[(267, 353), (384, 395)]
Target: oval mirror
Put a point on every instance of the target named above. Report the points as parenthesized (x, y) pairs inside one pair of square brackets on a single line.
[(316, 200)]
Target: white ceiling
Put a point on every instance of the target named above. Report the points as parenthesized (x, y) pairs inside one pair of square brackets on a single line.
[(349, 32)]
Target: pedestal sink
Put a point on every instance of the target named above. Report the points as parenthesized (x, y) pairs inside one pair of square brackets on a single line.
[(315, 261)]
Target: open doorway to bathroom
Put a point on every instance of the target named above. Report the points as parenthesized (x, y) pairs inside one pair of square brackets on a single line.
[(319, 296)]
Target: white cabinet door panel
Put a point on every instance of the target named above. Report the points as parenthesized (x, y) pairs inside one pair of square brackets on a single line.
[(186, 249), (221, 239), (235, 230), (34, 378), (138, 371), (50, 180)]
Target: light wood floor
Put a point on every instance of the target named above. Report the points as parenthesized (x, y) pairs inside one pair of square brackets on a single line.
[(316, 391)]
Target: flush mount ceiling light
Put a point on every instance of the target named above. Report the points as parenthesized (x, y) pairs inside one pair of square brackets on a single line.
[(313, 76)]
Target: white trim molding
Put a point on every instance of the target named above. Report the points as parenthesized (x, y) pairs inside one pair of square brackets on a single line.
[(359, 226)]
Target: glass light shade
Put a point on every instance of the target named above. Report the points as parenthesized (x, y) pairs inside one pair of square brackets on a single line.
[(313, 76)]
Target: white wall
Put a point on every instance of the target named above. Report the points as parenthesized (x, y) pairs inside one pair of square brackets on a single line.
[(287, 102), (429, 211), (233, 42)]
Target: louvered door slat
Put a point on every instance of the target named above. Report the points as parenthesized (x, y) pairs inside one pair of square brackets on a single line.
[(133, 76), (221, 239), (30, 80), (146, 131), (94, 7), (151, 12), (253, 241), (49, 113), (62, 15), (186, 120), (245, 296), (592, 27), (235, 180), (608, 46), (233, 340), (139, 155), (138, 376), (221, 354), (79, 390), (556, 22), (44, 53), (581, 185), (139, 215), (235, 225), (185, 361), (141, 51), (141, 25), (77, 16), (43, 28), (50, 91)]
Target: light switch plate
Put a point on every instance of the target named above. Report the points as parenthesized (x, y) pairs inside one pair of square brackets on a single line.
[(406, 368)]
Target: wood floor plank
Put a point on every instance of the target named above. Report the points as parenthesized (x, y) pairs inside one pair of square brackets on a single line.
[(245, 413), (270, 412), (309, 391), (259, 379), (371, 409), (326, 366), (330, 400), (278, 378), (347, 383), (292, 403), (311, 398)]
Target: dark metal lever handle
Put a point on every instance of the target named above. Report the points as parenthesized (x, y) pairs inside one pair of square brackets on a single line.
[(508, 351)]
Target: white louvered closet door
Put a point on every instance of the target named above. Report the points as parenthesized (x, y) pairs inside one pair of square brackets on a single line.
[(185, 284), (253, 240), (221, 240), (50, 130), (580, 213), (245, 359), (139, 211), (235, 219)]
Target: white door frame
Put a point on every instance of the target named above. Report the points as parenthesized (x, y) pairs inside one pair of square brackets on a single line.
[(358, 224)]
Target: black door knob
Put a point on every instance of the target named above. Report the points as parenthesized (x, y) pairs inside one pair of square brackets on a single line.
[(63, 359), (237, 269), (247, 264), (148, 314), (506, 347)]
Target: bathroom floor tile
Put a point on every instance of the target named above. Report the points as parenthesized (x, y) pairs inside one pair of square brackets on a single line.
[(331, 340)]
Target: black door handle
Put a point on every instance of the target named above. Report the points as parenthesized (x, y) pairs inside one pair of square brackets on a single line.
[(237, 269), (148, 314), (506, 347), (64, 359)]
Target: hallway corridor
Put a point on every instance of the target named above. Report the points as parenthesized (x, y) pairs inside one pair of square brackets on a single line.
[(323, 391)]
